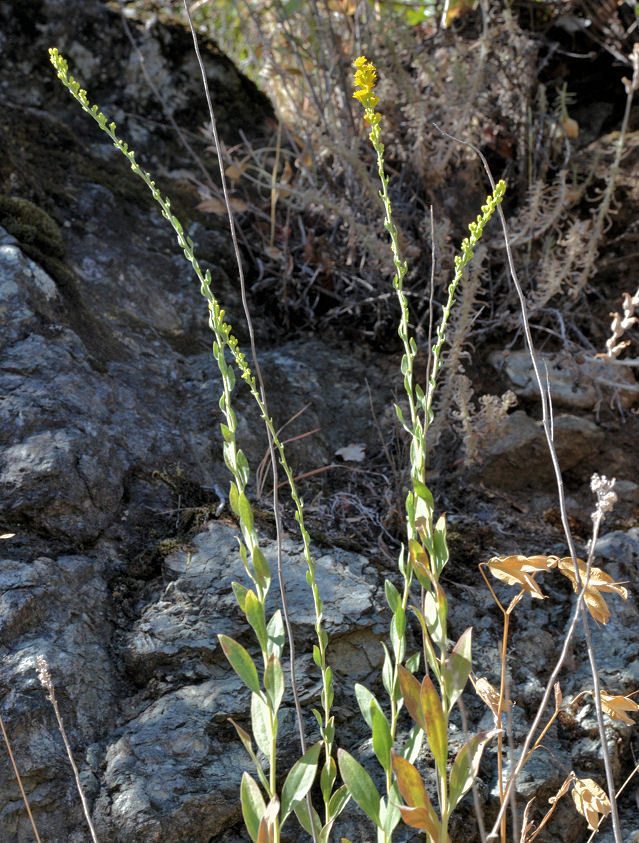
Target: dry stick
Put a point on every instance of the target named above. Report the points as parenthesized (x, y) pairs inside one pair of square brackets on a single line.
[(44, 675), (18, 779), (260, 474), (547, 421), (476, 804), (258, 373)]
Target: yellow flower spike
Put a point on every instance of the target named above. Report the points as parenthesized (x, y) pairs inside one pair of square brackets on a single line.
[(365, 80)]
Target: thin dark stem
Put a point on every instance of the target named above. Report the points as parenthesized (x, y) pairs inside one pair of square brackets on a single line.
[(260, 380), (18, 779), (547, 421)]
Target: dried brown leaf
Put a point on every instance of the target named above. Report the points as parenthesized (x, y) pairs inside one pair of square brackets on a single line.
[(213, 205), (520, 570), (591, 802), (489, 695), (599, 581), (616, 706)]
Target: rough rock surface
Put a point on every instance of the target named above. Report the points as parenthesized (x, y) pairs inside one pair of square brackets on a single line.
[(109, 436), (575, 381)]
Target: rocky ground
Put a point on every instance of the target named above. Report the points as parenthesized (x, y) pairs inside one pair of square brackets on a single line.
[(119, 548)]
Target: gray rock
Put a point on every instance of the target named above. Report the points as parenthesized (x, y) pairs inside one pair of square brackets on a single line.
[(517, 456), (56, 608), (576, 382)]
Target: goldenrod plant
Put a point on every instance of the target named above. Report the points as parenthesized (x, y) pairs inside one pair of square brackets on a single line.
[(262, 817), (425, 557)]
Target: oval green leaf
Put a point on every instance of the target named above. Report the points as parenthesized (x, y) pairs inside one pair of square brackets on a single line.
[(253, 805), (360, 785), (466, 765), (240, 661), (299, 780)]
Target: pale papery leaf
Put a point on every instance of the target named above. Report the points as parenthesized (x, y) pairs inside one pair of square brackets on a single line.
[(599, 581), (591, 802), (490, 695), (519, 570), (616, 706)]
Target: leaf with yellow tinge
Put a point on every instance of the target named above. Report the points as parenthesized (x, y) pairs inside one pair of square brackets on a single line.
[(419, 813), (591, 802), (617, 706), (599, 581), (520, 570)]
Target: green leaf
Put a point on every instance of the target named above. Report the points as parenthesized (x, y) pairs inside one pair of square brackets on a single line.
[(428, 645), (240, 661), (382, 740), (245, 510), (299, 780), (436, 724), (433, 619), (233, 499), (327, 778), (397, 627), (240, 592), (411, 692), (276, 636), (360, 785), (255, 616), (261, 568), (274, 681), (301, 812), (364, 698), (440, 545), (457, 667), (412, 662), (248, 746), (391, 815), (387, 672), (339, 800), (243, 468), (413, 744), (253, 804), (328, 734), (465, 767), (392, 596), (261, 724)]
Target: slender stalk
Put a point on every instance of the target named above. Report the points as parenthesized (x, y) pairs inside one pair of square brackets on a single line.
[(44, 675), (547, 422), (224, 339), (18, 779)]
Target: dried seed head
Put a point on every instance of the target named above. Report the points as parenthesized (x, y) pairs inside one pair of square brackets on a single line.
[(602, 487), (44, 675)]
